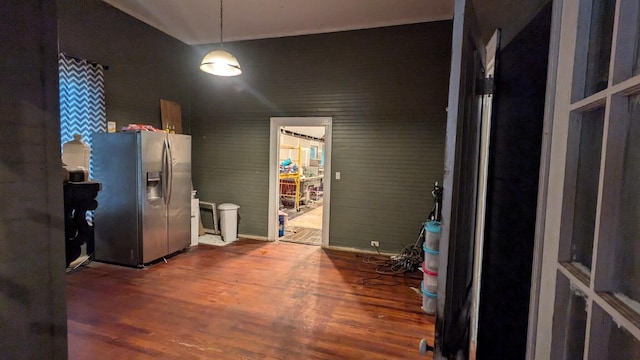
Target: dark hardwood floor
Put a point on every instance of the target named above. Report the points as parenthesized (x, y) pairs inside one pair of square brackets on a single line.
[(246, 300)]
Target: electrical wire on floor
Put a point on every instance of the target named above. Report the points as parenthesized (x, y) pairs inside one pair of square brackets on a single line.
[(379, 281), (406, 262), (385, 277)]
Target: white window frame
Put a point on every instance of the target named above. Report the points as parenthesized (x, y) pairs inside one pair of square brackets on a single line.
[(559, 108)]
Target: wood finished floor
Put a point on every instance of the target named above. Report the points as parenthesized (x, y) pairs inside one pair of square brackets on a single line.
[(312, 219), (305, 227), (302, 235), (246, 300)]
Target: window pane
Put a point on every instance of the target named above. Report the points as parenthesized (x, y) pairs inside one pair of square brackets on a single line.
[(609, 340), (589, 130), (622, 345), (570, 323), (636, 62), (627, 55), (599, 51), (628, 262)]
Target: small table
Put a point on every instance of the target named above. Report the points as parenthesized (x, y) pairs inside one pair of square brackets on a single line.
[(79, 197)]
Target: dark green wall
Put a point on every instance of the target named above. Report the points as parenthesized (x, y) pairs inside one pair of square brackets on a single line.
[(145, 65), (386, 90)]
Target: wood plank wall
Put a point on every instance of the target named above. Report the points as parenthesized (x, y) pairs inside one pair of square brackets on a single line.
[(386, 90), (32, 259), (145, 64)]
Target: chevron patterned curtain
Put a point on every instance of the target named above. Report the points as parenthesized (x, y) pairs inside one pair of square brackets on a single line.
[(82, 106)]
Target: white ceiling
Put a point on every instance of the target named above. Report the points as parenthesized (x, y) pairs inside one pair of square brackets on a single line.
[(198, 21)]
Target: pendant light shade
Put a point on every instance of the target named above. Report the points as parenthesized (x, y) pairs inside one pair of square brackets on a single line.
[(220, 62)]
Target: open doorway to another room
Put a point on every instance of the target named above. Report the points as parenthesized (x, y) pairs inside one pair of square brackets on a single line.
[(300, 184), (300, 158)]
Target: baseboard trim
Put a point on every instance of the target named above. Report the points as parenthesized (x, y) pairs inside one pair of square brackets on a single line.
[(253, 237), (330, 247), (356, 250)]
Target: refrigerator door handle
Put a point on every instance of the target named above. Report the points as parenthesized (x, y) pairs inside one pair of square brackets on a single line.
[(165, 174), (170, 169)]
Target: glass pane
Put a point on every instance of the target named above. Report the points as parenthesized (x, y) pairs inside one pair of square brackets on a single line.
[(599, 51), (628, 263), (609, 340), (570, 323), (589, 130), (627, 55), (622, 345), (636, 62)]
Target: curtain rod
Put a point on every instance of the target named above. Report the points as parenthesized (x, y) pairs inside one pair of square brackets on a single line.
[(105, 67)]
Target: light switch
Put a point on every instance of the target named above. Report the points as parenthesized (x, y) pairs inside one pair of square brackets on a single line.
[(337, 175)]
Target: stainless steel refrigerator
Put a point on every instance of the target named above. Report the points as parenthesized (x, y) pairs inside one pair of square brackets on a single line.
[(144, 208)]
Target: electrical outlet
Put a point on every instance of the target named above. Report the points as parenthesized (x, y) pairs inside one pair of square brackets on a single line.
[(375, 243)]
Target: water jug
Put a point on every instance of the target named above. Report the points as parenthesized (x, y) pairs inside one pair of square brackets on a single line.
[(76, 152)]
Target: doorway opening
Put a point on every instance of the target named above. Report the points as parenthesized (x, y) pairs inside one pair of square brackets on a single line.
[(299, 180)]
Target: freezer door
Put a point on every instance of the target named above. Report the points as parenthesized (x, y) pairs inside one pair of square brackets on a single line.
[(153, 194), (116, 219), (179, 204)]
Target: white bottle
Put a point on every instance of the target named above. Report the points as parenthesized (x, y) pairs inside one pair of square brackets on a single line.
[(76, 153)]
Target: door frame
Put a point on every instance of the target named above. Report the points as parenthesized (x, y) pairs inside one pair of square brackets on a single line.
[(460, 185), (543, 178), (274, 145), (491, 52)]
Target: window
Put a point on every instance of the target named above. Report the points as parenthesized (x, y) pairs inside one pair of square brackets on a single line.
[(82, 105), (589, 303)]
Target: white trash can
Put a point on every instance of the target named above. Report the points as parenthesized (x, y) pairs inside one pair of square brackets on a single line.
[(228, 221)]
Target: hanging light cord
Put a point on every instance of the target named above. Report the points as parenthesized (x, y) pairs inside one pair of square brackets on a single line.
[(221, 42)]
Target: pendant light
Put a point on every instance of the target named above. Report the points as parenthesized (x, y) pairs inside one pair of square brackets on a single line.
[(220, 62)]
